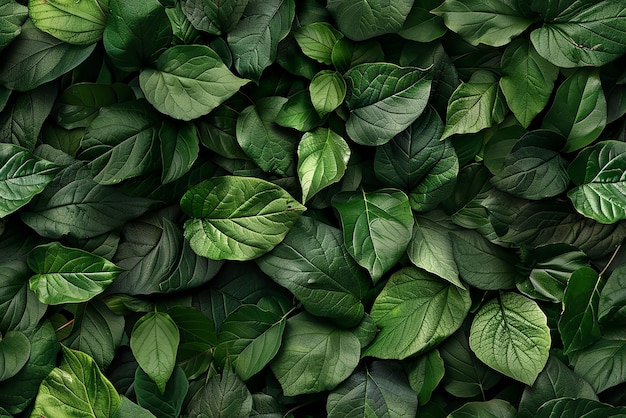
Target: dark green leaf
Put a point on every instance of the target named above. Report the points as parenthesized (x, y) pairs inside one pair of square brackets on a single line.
[(602, 364), (223, 395), (567, 407), (421, 25), (179, 149), (425, 374), (12, 17), (495, 408), (19, 307), (79, 23), (613, 297), (162, 404), (14, 354), (214, 16), (364, 19), (130, 409)]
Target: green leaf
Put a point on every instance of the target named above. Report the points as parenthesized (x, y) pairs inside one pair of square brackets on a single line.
[(364, 19), (250, 338), (214, 16), (179, 149), (415, 311), (130, 409), (527, 80), (384, 100), (298, 113), (317, 41), (68, 275), (12, 17), (76, 387), (188, 82), (495, 408), (492, 22), (168, 403), (475, 105), (377, 227), (322, 160), (378, 389), (79, 23), (270, 146), (223, 395), (14, 354), (237, 218), (590, 34), (254, 40), (315, 356), (19, 307), (421, 25), (567, 407), (22, 176), (579, 109), (34, 58), (154, 342), (510, 335), (314, 265), (602, 364), (425, 374), (612, 296), (218, 130), (599, 176), (327, 90)]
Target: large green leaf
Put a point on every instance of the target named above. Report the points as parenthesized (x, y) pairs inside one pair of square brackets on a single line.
[(377, 227), (322, 160), (415, 311), (223, 395), (384, 100), (510, 334), (237, 218), (179, 149), (79, 23), (314, 265), (65, 275), (136, 33), (599, 175), (579, 109), (421, 25), (602, 364), (12, 17), (188, 82), (22, 176), (583, 34), (364, 19), (19, 307), (76, 388), (214, 16), (314, 356), (378, 389), (168, 403), (154, 341), (612, 298), (254, 40), (588, 408), (14, 354), (491, 22), (527, 80)]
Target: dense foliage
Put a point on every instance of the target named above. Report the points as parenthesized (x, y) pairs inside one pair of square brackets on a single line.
[(343, 208)]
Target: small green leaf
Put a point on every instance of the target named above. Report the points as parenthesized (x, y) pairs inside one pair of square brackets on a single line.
[(298, 113), (179, 149), (510, 334), (425, 374), (377, 227), (602, 364), (12, 17), (166, 403), (223, 395), (19, 307), (79, 23), (495, 408), (322, 160), (415, 311), (327, 90), (421, 25), (14, 354), (611, 307), (189, 81), (214, 16), (154, 341), (68, 275), (364, 19), (237, 218), (317, 41)]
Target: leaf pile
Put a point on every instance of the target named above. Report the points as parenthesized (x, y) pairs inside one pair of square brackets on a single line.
[(283, 208)]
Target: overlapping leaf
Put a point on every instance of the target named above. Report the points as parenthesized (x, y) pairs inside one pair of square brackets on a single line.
[(79, 23)]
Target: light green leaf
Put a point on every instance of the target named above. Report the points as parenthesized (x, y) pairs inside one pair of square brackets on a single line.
[(214, 16), (590, 34), (475, 105), (378, 389), (298, 113), (327, 90), (491, 22), (599, 174), (77, 23), (14, 354), (130, 409), (611, 307), (154, 342), (223, 395), (68, 275), (189, 81), (314, 265), (167, 403), (377, 227), (254, 40), (415, 311), (12, 17), (510, 334), (495, 408), (425, 374), (237, 218), (579, 109), (527, 80), (315, 356), (364, 19), (317, 41), (76, 388), (322, 160), (179, 149), (22, 176), (384, 100), (567, 407)]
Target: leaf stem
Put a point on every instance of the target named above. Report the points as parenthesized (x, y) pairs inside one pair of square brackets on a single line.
[(611, 259)]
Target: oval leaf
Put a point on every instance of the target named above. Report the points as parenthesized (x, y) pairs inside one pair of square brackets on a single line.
[(78, 23), (14, 354), (327, 90)]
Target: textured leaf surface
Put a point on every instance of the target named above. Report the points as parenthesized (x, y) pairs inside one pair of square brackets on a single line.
[(79, 23), (603, 364), (223, 395), (12, 16), (364, 19), (327, 90), (14, 354), (579, 407), (214, 16)]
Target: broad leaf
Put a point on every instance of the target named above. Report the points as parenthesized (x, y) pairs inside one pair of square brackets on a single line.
[(79, 23), (314, 356), (214, 16), (154, 342), (127, 408), (314, 265), (579, 109), (600, 178), (167, 403), (384, 100), (425, 374), (179, 150), (567, 407), (602, 364), (377, 227), (510, 335), (188, 82), (415, 311), (223, 395), (364, 19), (327, 90), (22, 176), (421, 25), (65, 275), (19, 307), (317, 40), (12, 17), (298, 113), (322, 160), (237, 218), (495, 408), (378, 389), (612, 298), (14, 354)]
